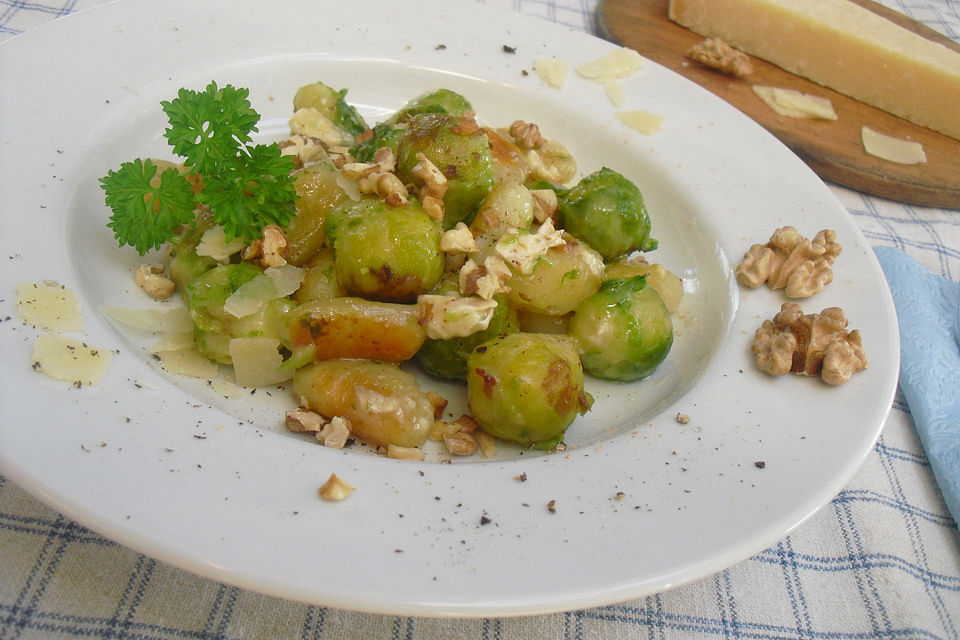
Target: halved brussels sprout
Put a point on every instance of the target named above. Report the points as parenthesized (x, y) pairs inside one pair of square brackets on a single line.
[(438, 101)]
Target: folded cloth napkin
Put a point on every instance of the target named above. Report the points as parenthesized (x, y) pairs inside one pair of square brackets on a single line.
[(929, 317)]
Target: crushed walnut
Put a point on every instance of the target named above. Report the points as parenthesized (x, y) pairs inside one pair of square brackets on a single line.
[(719, 55), (791, 262), (150, 278), (811, 344), (377, 177), (526, 135), (335, 488)]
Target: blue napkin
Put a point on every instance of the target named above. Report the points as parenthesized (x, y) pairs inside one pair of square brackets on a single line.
[(929, 317)]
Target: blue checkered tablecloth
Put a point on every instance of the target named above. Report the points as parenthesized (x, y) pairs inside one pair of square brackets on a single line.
[(881, 560)]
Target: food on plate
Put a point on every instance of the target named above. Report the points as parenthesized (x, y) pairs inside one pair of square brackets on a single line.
[(70, 360), (890, 148), (646, 122), (553, 71), (794, 104), (624, 329), (49, 305), (791, 262), (345, 254), (719, 55), (335, 489), (841, 45), (816, 344), (526, 387)]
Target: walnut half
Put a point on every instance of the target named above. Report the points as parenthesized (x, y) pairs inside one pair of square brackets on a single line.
[(789, 261), (811, 344)]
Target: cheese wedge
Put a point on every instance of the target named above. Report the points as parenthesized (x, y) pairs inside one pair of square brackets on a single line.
[(840, 45)]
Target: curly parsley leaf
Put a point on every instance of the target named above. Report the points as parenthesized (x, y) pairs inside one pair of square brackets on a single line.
[(210, 126), (146, 211), (250, 191)]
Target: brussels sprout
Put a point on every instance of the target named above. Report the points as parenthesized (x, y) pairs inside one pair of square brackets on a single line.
[(382, 135), (317, 193), (331, 104), (214, 326), (383, 252), (448, 358), (563, 278), (438, 101), (463, 157), (623, 331), (526, 387), (606, 211), (667, 284)]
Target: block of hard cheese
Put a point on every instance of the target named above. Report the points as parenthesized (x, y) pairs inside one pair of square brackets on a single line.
[(840, 45)]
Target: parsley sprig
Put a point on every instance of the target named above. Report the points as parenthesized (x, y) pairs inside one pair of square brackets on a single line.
[(246, 187)]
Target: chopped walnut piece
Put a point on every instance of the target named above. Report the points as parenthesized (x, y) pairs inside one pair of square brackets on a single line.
[(386, 159), (405, 453), (486, 280), (438, 402), (358, 170), (790, 261), (335, 488), (335, 433), (392, 190), (460, 443), (526, 135), (467, 424), (150, 278), (719, 55), (487, 443), (301, 420), (433, 207), (812, 344), (273, 247), (683, 418), (435, 183), (458, 240), (545, 203)]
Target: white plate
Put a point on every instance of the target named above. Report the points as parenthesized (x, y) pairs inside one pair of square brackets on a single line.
[(218, 487)]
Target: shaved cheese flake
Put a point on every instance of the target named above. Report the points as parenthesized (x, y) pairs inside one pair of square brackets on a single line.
[(892, 149), (71, 360), (273, 283), (615, 93), (177, 319), (553, 71), (618, 63), (188, 362), (49, 305), (256, 362), (643, 121), (214, 243), (794, 104), (173, 341)]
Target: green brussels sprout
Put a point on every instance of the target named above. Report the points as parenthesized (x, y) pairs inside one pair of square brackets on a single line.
[(185, 265), (317, 193), (623, 331), (214, 327), (463, 157), (526, 387), (383, 252), (606, 211), (448, 358), (438, 101), (331, 104), (382, 135)]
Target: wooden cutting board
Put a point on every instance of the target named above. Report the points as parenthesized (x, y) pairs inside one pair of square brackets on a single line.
[(833, 149)]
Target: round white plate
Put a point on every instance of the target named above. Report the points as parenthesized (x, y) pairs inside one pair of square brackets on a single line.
[(217, 486)]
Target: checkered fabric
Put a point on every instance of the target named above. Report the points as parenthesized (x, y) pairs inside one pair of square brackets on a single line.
[(881, 560)]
